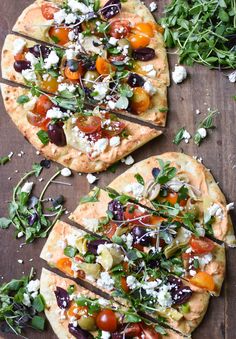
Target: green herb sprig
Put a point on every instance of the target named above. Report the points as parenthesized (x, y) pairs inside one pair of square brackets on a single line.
[(207, 123)]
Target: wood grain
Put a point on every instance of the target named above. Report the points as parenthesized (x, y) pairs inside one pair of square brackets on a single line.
[(202, 89)]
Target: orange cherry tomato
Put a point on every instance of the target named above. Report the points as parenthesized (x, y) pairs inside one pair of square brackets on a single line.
[(59, 35), (77, 311), (201, 245), (125, 266), (119, 29), (106, 320), (203, 280), (49, 85), (124, 285), (138, 40), (38, 120), (43, 104), (140, 101), (133, 212), (74, 75), (48, 10), (183, 202), (155, 219), (103, 66), (64, 265), (89, 124), (110, 229), (115, 128), (144, 28), (172, 198)]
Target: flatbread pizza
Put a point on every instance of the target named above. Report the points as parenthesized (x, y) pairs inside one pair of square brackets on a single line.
[(75, 312), (113, 269), (83, 140)]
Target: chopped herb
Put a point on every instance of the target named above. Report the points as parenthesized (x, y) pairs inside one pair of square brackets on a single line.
[(43, 137), (38, 323), (160, 329), (113, 167), (179, 136), (139, 179), (71, 289), (166, 173), (70, 251), (39, 303), (131, 317), (4, 160), (4, 222), (91, 198), (22, 99)]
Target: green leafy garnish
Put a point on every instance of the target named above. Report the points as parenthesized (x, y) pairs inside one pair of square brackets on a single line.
[(70, 251), (22, 99), (166, 172), (91, 198), (206, 123), (43, 137), (139, 179), (179, 136)]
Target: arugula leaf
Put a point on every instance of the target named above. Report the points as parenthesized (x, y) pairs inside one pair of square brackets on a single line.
[(70, 251), (4, 160), (38, 323), (91, 198), (131, 317), (4, 222), (39, 303), (166, 173), (22, 99), (37, 169), (179, 136), (43, 137), (113, 167), (139, 179), (206, 123), (71, 289), (160, 329), (93, 305)]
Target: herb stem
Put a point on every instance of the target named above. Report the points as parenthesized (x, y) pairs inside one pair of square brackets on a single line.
[(47, 184)]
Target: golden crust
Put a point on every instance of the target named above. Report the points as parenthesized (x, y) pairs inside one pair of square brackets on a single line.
[(200, 177), (69, 156)]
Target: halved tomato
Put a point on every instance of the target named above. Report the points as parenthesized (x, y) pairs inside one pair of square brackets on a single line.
[(48, 10), (124, 284), (38, 120), (106, 320), (201, 245), (110, 229), (144, 28), (119, 29), (43, 104), (104, 67), (149, 332), (59, 35), (89, 124), (203, 280), (74, 75), (133, 212), (49, 85), (138, 40), (64, 264), (115, 128), (133, 330), (140, 101)]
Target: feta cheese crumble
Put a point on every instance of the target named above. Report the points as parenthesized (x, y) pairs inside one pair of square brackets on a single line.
[(115, 141), (186, 136), (56, 113), (33, 286), (153, 6), (66, 172), (179, 74), (128, 161), (105, 281), (27, 187), (18, 46), (135, 188), (51, 60), (91, 178), (202, 132)]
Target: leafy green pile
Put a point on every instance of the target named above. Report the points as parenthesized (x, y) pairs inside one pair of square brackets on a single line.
[(19, 308), (204, 31)]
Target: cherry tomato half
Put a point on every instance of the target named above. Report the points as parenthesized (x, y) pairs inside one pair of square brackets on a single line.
[(119, 29), (48, 10), (133, 330), (49, 85), (115, 128), (64, 265), (124, 284), (149, 332), (74, 75), (103, 66), (110, 229), (138, 40), (43, 104), (201, 245), (59, 35), (38, 120), (144, 28), (140, 101), (203, 280), (106, 320), (89, 124), (133, 212)]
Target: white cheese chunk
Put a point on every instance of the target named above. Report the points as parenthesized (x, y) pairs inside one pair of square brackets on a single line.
[(115, 141), (179, 74), (135, 188), (27, 187), (153, 6), (105, 281), (26, 300), (100, 145), (29, 75), (60, 16), (66, 172), (51, 60), (31, 58), (149, 88), (19, 45), (78, 6), (105, 335), (202, 132), (33, 286), (91, 178), (56, 113)]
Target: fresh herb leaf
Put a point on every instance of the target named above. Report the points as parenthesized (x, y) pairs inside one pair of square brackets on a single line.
[(91, 198), (37, 168), (4, 160), (38, 323), (160, 329), (139, 179), (131, 317), (70, 251), (179, 136), (206, 123), (4, 222), (43, 137), (71, 289), (166, 172), (22, 99), (39, 303), (113, 167)]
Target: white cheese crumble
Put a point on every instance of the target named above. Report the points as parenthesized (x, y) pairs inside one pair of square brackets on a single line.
[(135, 188), (70, 18), (186, 136), (113, 41), (60, 16), (91, 178), (115, 141), (100, 90), (164, 296), (232, 76), (149, 88), (153, 6), (205, 259), (33, 285), (56, 113), (31, 58), (202, 132), (103, 302), (128, 161), (105, 281), (91, 223), (216, 210), (78, 6), (71, 35), (27, 187), (105, 335), (18, 46), (179, 74), (230, 206), (51, 60), (66, 172), (26, 300), (132, 282), (66, 87), (128, 239), (150, 71), (100, 145), (29, 75), (71, 54)]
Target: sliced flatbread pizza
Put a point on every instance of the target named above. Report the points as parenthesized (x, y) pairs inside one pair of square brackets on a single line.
[(75, 312), (111, 268), (178, 178), (91, 78), (177, 250), (87, 141)]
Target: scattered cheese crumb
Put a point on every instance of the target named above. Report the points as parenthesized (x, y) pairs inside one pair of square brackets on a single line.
[(66, 172), (230, 206), (179, 74), (91, 178), (153, 6), (20, 261), (202, 132)]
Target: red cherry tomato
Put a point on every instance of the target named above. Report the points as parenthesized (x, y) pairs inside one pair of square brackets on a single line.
[(59, 35), (133, 330), (38, 120), (43, 104), (48, 10), (89, 124), (149, 332), (120, 29), (94, 136), (115, 128), (124, 285), (110, 229), (201, 245), (106, 320), (133, 212)]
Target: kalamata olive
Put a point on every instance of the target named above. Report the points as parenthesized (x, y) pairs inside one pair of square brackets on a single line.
[(63, 299), (21, 65), (153, 263), (111, 9), (73, 65), (58, 201), (33, 218), (117, 335), (45, 163), (89, 78), (155, 172), (144, 54), (93, 245), (180, 295), (140, 237), (40, 50), (78, 333), (56, 135), (116, 208), (135, 80), (174, 281)]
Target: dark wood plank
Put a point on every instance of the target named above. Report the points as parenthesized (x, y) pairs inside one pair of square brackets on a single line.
[(203, 89)]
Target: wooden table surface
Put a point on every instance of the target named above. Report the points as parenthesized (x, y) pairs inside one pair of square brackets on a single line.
[(202, 89)]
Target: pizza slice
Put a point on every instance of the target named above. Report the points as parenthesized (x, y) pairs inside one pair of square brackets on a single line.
[(176, 249), (83, 140), (75, 312), (127, 275), (180, 182), (91, 78)]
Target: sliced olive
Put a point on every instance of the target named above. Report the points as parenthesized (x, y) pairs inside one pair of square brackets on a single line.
[(87, 323), (89, 78)]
